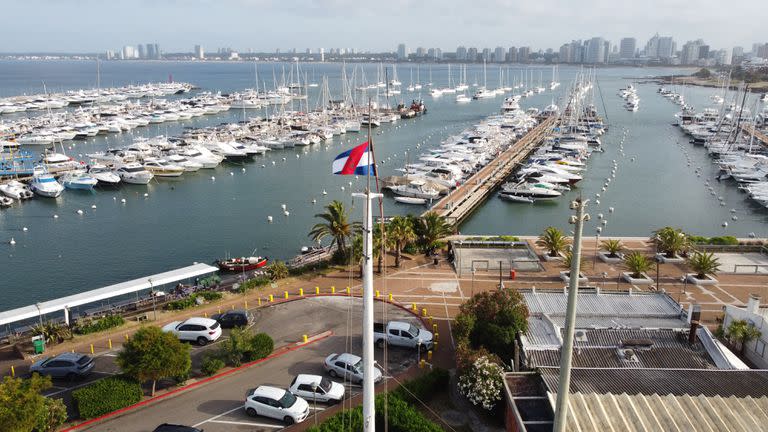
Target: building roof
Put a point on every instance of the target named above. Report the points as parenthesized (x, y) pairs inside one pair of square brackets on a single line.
[(608, 412), (619, 305), (614, 358), (707, 382)]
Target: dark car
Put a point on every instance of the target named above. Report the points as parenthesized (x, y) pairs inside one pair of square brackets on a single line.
[(66, 365), (233, 318), (167, 427)]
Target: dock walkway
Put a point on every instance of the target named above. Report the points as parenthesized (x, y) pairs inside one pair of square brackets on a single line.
[(459, 203), (751, 130)]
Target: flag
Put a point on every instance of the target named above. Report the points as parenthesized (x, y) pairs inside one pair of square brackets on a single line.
[(358, 161)]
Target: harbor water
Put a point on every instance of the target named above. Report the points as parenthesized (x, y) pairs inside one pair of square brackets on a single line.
[(213, 213)]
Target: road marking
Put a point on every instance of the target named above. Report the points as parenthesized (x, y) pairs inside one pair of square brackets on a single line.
[(218, 416), (244, 424), (109, 355), (105, 373), (317, 408), (72, 388)]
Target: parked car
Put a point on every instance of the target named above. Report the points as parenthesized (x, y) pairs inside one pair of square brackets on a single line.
[(233, 318), (317, 389), (277, 404), (66, 365), (167, 427), (399, 333), (349, 367), (200, 330)]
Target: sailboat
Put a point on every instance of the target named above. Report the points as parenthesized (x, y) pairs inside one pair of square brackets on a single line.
[(483, 92)]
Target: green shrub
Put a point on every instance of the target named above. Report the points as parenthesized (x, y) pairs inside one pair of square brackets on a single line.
[(209, 295), (724, 240), (309, 268), (242, 346), (253, 283), (105, 323), (191, 301), (211, 365), (698, 239), (261, 346), (424, 387), (106, 395), (401, 417), (509, 238)]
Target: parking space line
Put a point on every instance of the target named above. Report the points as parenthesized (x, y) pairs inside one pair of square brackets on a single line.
[(218, 416), (317, 408), (71, 388), (245, 424)]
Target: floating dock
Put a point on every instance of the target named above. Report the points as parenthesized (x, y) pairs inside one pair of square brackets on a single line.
[(462, 201)]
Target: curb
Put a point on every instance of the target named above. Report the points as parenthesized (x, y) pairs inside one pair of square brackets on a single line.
[(278, 352)]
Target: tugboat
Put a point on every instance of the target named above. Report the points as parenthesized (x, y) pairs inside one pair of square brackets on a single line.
[(243, 264)]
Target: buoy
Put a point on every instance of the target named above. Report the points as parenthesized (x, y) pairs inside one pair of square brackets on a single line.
[(146, 195), (733, 210), (610, 209), (751, 235), (350, 184), (314, 201), (287, 213), (633, 159), (12, 242), (55, 216), (114, 198), (122, 200), (231, 173), (599, 229), (720, 198), (605, 222), (273, 162), (734, 218), (262, 165), (597, 202), (24, 229), (284, 159), (297, 155), (79, 212), (342, 188), (725, 224), (282, 206), (269, 219), (213, 178), (599, 215), (243, 170), (597, 195), (93, 206), (324, 192)]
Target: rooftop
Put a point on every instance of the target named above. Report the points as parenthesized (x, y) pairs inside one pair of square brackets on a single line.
[(591, 304)]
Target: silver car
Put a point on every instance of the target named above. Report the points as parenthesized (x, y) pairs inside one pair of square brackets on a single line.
[(66, 365)]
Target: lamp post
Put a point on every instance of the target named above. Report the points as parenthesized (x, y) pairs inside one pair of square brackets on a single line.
[(473, 280), (152, 293), (605, 275)]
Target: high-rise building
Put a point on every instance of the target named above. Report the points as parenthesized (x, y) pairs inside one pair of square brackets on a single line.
[(150, 51), (156, 49), (627, 48), (723, 57), (595, 51), (762, 51), (421, 52), (461, 53), (512, 55), (322, 54), (142, 52), (737, 55), (472, 54), (564, 54), (402, 52), (199, 52), (704, 51), (689, 54), (665, 47), (431, 53), (128, 52), (523, 54), (486, 54), (607, 51), (499, 55), (438, 54), (652, 47)]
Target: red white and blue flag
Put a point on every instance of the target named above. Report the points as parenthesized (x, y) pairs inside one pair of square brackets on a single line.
[(358, 161)]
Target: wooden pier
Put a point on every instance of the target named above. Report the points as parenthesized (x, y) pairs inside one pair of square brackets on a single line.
[(751, 130), (461, 202)]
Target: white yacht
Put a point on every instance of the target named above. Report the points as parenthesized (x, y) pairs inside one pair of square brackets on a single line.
[(188, 165), (415, 189), (16, 190), (203, 156), (134, 173), (162, 168), (78, 179), (103, 175), (44, 184), (462, 98)]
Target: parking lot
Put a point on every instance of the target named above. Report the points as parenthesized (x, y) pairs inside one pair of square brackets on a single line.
[(217, 405)]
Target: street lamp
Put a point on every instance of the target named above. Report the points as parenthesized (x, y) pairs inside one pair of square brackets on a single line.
[(473, 280), (605, 275), (152, 293)]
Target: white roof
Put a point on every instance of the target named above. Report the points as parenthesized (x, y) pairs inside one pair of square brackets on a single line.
[(270, 392), (200, 321), (110, 291)]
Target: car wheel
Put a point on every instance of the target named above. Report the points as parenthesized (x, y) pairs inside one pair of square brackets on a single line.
[(251, 412), (333, 373), (288, 420), (202, 341)]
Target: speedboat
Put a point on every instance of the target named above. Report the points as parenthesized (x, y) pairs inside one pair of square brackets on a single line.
[(134, 173), (16, 190), (410, 200), (78, 180), (162, 168), (415, 189), (103, 175), (188, 165), (44, 183), (515, 198), (243, 264), (203, 156)]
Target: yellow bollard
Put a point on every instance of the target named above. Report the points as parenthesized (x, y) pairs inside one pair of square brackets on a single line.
[(317, 290), (219, 310), (205, 314), (348, 291), (378, 294), (434, 347), (126, 337), (73, 351), (110, 343), (421, 364), (429, 355), (430, 320), (92, 351), (286, 294), (301, 292), (413, 306), (245, 304), (233, 307), (424, 312), (259, 301), (436, 336), (333, 289), (271, 298), (305, 338), (434, 328), (390, 296), (13, 371)]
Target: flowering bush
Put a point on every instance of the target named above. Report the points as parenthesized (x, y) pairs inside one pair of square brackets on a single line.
[(482, 383)]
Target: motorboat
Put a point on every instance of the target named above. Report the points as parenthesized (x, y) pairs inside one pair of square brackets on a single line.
[(243, 264), (103, 175), (78, 180), (6, 201), (188, 165), (515, 198), (410, 200), (524, 190), (203, 156), (16, 190), (483, 93), (462, 98), (44, 184), (162, 168), (134, 173), (415, 189)]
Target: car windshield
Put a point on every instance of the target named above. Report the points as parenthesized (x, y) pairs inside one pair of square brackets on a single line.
[(325, 385), (358, 366), (413, 330), (287, 400)]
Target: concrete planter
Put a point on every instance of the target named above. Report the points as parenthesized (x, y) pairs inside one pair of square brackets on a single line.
[(548, 258), (645, 280), (565, 276), (709, 280), (610, 260), (666, 260)]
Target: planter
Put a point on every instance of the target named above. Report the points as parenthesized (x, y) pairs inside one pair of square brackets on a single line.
[(565, 276), (604, 257), (666, 260), (709, 280), (549, 258), (645, 280)]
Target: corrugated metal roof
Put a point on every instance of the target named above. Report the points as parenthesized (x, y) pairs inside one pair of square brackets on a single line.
[(623, 321), (610, 358), (541, 332), (707, 382), (657, 305), (609, 412)]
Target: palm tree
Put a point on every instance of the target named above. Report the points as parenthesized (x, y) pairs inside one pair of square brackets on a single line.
[(429, 229), (613, 247), (278, 270), (568, 260), (637, 263), (742, 332), (400, 232), (670, 241), (553, 240), (704, 263), (336, 225)]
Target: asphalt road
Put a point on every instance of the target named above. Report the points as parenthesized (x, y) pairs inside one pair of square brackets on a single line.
[(218, 405)]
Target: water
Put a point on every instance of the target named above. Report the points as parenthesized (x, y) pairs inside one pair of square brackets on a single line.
[(195, 218)]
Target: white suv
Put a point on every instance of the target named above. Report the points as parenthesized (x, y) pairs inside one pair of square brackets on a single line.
[(317, 388), (200, 330), (276, 403)]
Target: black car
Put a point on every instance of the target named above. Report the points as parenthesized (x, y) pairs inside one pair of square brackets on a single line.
[(166, 427), (233, 318)]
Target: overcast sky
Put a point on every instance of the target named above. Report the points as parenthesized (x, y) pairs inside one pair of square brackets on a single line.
[(265, 25)]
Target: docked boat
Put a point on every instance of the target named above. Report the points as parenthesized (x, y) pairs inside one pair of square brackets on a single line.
[(415, 189), (410, 200), (103, 175), (134, 173), (78, 180), (515, 198), (163, 168), (242, 264), (45, 184), (5, 201), (16, 190)]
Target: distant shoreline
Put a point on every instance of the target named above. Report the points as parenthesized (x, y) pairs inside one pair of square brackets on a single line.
[(756, 87)]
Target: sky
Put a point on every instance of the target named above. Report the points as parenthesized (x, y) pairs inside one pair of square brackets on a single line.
[(266, 25)]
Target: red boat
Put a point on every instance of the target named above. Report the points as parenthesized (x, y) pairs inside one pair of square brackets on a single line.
[(242, 264)]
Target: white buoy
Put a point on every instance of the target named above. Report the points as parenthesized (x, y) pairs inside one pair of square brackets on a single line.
[(25, 229), (12, 242), (324, 192), (213, 178), (597, 202), (55, 216), (597, 195), (269, 219), (297, 155), (93, 206), (733, 210), (610, 209), (283, 206), (314, 201), (599, 230), (342, 188), (287, 213), (146, 195), (273, 162), (605, 222), (114, 198), (633, 159), (284, 159), (231, 173), (725, 224), (599, 215), (720, 198), (79, 212), (243, 169), (734, 218), (122, 200), (263, 166)]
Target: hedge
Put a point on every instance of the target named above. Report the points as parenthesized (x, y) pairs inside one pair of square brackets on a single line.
[(253, 283), (211, 365), (106, 395), (401, 417), (720, 241), (191, 301), (425, 386), (105, 323)]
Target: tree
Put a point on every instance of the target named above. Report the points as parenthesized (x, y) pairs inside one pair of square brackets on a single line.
[(151, 354), (613, 247), (430, 229), (704, 264), (278, 270), (670, 241), (568, 260), (482, 383), (23, 408), (336, 225), (400, 232), (741, 332), (703, 73), (553, 240), (637, 263)]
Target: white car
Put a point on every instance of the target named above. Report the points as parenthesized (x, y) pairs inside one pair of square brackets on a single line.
[(349, 367), (276, 403), (200, 330), (317, 389)]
